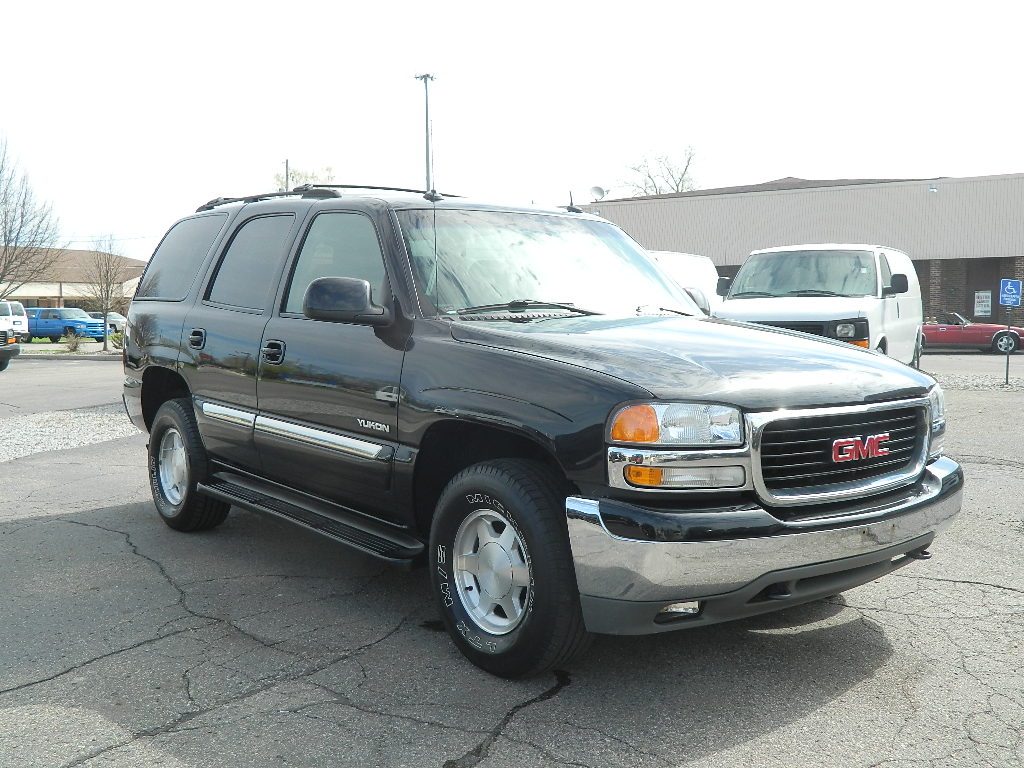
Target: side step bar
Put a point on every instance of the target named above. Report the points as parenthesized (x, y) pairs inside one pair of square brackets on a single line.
[(372, 539)]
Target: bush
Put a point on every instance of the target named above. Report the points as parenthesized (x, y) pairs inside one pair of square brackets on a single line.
[(71, 341), (116, 340)]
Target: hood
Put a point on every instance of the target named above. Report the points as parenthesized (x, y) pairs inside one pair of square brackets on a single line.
[(793, 308), (679, 358)]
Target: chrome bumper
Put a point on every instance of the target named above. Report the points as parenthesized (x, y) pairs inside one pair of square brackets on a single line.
[(623, 582)]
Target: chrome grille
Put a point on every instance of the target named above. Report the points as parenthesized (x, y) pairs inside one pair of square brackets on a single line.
[(795, 452)]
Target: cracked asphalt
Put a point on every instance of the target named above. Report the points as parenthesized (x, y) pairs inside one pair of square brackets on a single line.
[(126, 644)]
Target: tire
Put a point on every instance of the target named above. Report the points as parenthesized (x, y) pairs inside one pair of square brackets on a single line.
[(915, 361), (177, 461), (26, 339), (69, 331), (54, 339), (514, 611), (1005, 343), (4, 364)]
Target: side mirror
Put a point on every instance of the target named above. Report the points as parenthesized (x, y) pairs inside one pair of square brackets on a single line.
[(898, 283), (343, 300), (699, 299), (723, 285)]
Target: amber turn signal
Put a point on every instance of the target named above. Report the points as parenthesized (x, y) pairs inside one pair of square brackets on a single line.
[(636, 424), (646, 476)]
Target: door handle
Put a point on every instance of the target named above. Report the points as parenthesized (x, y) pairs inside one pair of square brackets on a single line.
[(197, 338), (273, 351)]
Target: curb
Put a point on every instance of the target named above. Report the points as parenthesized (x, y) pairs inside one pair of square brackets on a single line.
[(67, 356)]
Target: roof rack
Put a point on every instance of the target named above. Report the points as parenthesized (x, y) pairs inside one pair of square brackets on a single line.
[(315, 191)]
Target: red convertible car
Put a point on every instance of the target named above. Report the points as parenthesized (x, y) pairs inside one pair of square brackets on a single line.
[(950, 329)]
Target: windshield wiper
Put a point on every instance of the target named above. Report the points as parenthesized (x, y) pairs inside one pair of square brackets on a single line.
[(765, 294), (813, 292), (649, 307), (517, 304)]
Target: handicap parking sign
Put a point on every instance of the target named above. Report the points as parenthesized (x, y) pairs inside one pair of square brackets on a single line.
[(1009, 293)]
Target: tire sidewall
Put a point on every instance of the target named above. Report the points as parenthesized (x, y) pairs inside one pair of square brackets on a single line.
[(506, 654), (170, 416)]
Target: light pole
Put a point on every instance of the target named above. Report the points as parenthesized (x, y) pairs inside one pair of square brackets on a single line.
[(426, 97)]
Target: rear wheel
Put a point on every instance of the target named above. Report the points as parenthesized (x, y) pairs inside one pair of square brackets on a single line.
[(1005, 343), (502, 570), (177, 462), (54, 339), (4, 364), (26, 339)]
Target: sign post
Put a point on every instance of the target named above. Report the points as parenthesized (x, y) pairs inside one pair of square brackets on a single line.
[(1009, 297)]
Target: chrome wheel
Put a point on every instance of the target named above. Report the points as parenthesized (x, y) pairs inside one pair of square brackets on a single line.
[(1006, 344), (492, 572), (172, 461)]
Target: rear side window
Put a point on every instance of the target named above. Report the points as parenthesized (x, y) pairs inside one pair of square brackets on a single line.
[(246, 272), (177, 259)]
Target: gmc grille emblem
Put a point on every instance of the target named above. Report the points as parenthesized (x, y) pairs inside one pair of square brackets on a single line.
[(854, 448)]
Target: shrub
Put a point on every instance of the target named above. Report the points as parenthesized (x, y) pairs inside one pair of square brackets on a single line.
[(71, 341), (116, 340)]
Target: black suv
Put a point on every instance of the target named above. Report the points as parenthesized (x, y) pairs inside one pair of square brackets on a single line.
[(522, 400)]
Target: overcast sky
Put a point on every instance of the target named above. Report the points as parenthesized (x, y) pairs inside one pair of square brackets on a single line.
[(127, 116)]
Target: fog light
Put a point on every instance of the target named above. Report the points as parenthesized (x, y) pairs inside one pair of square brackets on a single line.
[(691, 608)]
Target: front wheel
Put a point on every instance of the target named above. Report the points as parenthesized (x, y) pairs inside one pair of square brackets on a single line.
[(26, 338), (177, 462), (502, 570), (4, 364), (1005, 343)]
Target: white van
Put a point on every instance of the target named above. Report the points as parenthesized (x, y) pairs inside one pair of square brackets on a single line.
[(690, 270), (868, 295), (12, 318)]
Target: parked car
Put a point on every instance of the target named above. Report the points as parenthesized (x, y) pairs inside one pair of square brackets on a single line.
[(14, 320), (866, 295), (115, 320), (951, 329), (55, 322), (692, 271), (523, 401)]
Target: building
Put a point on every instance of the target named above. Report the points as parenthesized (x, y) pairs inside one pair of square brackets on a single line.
[(963, 234), (71, 280)]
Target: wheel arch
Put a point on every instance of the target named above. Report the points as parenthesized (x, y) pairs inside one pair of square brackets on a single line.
[(158, 386), (448, 447)]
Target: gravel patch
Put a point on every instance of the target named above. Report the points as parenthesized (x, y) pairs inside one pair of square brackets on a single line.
[(57, 430), (978, 382)]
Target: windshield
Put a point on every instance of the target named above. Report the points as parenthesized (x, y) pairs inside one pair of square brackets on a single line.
[(17, 309), (806, 273), (71, 313), (532, 262)]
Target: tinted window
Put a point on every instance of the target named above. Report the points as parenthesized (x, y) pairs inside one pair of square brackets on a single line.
[(338, 245), (246, 271), (179, 256)]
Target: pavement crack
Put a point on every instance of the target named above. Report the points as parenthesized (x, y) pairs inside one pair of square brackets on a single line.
[(959, 581), (481, 750)]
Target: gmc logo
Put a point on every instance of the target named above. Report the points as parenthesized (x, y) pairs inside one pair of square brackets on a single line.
[(853, 448)]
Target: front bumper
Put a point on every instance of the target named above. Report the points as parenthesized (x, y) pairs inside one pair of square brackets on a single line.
[(745, 567)]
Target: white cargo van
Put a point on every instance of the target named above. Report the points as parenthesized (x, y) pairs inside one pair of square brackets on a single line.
[(867, 295), (690, 270)]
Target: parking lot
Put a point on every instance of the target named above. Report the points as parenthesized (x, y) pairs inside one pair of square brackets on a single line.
[(126, 644)]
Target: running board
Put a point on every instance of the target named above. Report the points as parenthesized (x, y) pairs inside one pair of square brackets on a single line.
[(372, 539)]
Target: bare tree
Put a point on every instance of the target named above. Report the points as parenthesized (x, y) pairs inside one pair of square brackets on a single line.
[(105, 289), (297, 178), (662, 176), (29, 232)]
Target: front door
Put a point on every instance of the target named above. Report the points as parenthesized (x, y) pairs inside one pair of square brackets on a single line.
[(327, 406)]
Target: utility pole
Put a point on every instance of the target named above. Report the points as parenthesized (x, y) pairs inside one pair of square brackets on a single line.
[(286, 184), (426, 96)]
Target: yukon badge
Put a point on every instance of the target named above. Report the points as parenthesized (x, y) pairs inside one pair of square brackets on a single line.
[(373, 425), (854, 449)]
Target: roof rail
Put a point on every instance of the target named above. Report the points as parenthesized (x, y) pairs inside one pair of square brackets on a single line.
[(315, 191)]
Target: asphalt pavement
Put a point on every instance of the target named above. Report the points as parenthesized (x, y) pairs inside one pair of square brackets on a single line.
[(126, 644)]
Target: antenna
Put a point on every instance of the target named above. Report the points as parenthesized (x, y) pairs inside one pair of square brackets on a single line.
[(598, 193), (426, 100)]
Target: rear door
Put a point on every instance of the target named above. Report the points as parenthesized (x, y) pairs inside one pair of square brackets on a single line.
[(327, 404), (222, 332)]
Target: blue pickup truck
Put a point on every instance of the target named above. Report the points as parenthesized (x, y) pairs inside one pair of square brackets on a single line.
[(53, 323)]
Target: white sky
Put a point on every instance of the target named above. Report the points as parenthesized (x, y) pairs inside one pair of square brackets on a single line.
[(127, 116)]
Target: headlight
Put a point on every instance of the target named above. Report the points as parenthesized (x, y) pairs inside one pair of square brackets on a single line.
[(937, 406), (685, 425), (846, 331)]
